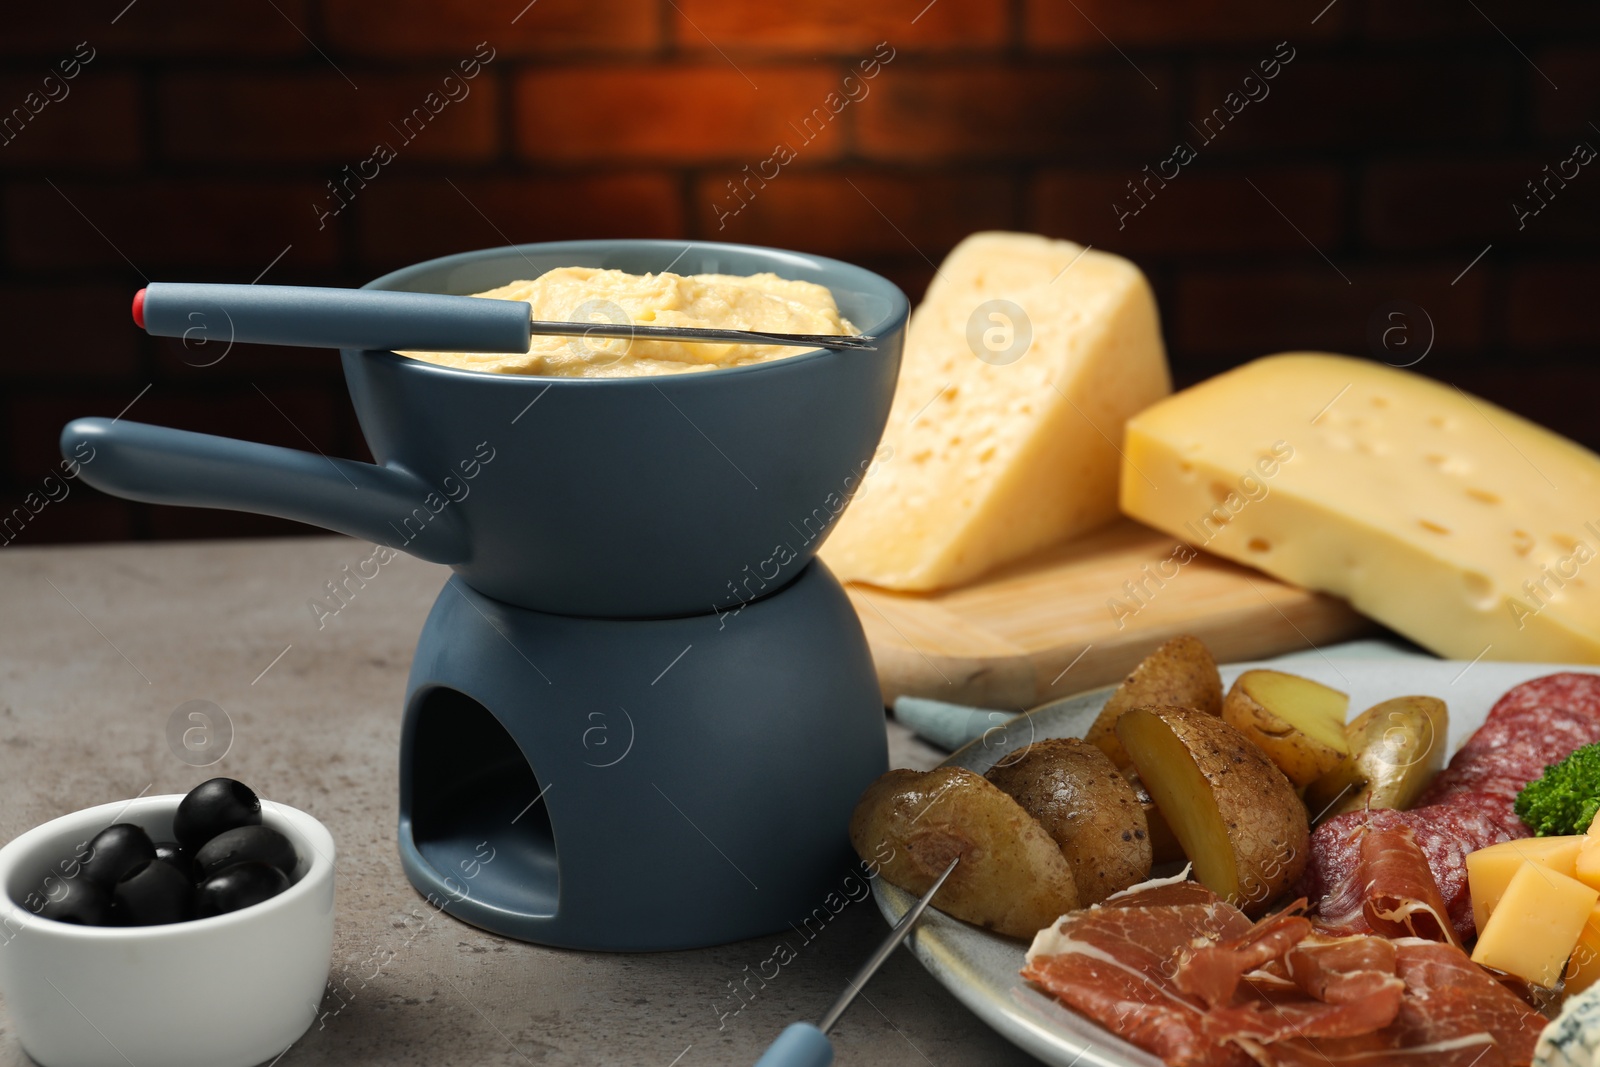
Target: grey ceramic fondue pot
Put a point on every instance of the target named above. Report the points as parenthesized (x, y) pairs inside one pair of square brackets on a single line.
[(640, 713), (608, 497)]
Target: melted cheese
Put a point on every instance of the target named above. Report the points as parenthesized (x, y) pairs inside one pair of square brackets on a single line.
[(762, 302)]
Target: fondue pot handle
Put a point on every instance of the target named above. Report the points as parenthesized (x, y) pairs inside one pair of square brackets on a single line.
[(159, 465)]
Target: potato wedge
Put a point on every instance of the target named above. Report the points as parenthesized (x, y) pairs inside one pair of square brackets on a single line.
[(1084, 803), (1164, 846), (1298, 723), (1181, 673), (1396, 748), (1239, 820), (1012, 877)]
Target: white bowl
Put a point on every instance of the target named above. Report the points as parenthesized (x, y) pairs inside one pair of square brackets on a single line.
[(229, 991)]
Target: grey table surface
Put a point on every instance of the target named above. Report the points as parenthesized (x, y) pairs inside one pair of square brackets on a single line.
[(99, 645)]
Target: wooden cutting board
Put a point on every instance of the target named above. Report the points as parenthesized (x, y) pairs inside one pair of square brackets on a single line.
[(1065, 621)]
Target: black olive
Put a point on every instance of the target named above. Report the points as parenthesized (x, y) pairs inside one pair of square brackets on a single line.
[(237, 887), (80, 901), (115, 851), (179, 857), (156, 892), (243, 844), (212, 807)]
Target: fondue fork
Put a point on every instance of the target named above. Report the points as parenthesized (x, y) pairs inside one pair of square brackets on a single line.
[(804, 1045), (311, 317)]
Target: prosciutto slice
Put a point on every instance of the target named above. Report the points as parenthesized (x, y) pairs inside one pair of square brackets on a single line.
[(1188, 980), (1212, 972), (1453, 1013), (1115, 965), (1340, 970), (1155, 973), (1402, 898), (1336, 882)]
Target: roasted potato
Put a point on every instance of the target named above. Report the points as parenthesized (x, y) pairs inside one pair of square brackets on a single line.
[(1396, 748), (1181, 673), (1239, 820), (1012, 877), (1298, 723), (1084, 803), (1164, 847)]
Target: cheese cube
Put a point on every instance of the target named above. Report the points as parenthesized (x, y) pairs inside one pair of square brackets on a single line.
[(1020, 369), (1584, 966), (1586, 866), (1490, 870), (1468, 529), (1535, 927)]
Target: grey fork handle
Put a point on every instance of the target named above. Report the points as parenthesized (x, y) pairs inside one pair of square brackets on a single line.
[(384, 319), (311, 317)]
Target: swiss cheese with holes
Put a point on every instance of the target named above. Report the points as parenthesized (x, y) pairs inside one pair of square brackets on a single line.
[(1470, 530), (1020, 368)]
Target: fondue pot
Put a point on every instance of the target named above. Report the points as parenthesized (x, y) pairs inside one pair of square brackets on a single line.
[(640, 712)]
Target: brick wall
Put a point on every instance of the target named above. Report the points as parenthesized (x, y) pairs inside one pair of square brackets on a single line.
[(1380, 163)]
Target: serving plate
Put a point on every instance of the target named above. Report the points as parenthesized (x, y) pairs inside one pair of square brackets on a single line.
[(980, 967)]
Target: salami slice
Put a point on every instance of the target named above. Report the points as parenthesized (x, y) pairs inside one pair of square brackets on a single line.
[(1570, 690), (1512, 749)]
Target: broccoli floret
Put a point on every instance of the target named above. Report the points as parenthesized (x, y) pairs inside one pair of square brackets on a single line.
[(1565, 799)]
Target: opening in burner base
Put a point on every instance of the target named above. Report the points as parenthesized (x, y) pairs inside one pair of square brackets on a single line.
[(477, 816)]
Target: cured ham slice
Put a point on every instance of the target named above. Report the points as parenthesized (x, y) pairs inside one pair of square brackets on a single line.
[(1187, 981), (1476, 1050), (1144, 971), (1161, 891), (1337, 887), (1455, 998), (1268, 1022), (1212, 972), (1453, 1013), (1113, 964), (1343, 969), (1402, 898)]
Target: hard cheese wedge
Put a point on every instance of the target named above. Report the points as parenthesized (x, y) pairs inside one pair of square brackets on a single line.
[(1002, 445), (1468, 529)]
